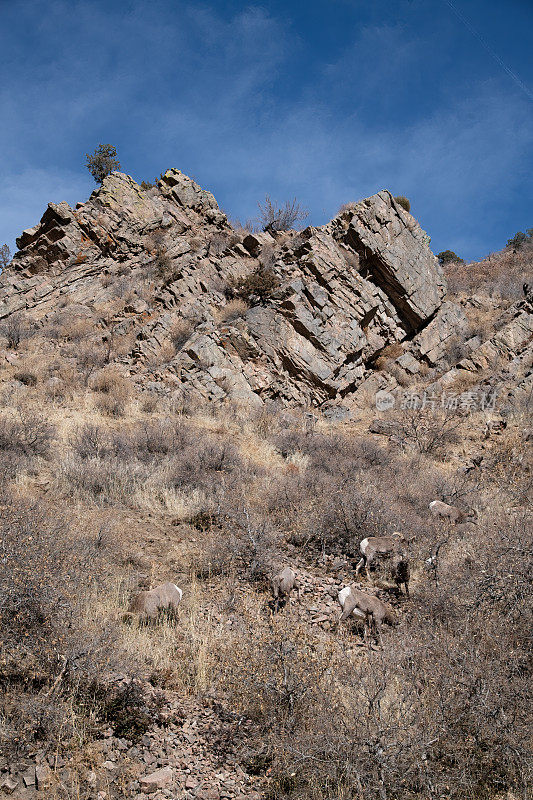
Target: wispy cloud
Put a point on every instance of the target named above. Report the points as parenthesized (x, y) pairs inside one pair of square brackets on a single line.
[(242, 101)]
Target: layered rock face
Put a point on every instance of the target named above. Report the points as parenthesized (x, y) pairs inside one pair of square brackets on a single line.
[(341, 292)]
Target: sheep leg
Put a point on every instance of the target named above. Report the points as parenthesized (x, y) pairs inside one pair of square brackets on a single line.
[(368, 627), (361, 563), (377, 633)]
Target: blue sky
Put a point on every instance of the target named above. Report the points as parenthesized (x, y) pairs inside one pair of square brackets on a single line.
[(324, 101)]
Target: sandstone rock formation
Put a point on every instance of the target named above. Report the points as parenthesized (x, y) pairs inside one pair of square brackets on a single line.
[(143, 262)]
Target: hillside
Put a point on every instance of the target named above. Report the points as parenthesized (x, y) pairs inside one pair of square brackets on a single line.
[(184, 401)]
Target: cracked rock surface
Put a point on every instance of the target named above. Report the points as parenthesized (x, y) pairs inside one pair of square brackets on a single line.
[(167, 255)]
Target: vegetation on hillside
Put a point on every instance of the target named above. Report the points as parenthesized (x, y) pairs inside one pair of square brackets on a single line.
[(106, 484)]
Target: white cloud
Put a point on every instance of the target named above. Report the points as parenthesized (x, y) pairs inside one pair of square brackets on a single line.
[(188, 85)]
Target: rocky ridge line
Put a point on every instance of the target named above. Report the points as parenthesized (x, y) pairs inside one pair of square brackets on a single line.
[(345, 290)]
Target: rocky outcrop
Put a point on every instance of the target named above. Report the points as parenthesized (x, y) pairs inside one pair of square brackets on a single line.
[(504, 361), (394, 252), (431, 344), (341, 293)]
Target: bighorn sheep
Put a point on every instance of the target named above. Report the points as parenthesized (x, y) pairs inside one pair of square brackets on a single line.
[(401, 572), (149, 604), (282, 585), (451, 513), (378, 545), (365, 606)]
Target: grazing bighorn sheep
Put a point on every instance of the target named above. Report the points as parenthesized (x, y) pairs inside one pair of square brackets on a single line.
[(401, 572), (365, 606), (451, 513), (378, 545), (282, 585), (149, 604)]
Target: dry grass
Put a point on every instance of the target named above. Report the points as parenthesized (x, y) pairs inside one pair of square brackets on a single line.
[(232, 310), (151, 490), (499, 275), (161, 499)]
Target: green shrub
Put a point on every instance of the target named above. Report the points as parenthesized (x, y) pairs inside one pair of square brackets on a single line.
[(102, 162), (448, 256), (5, 256), (151, 184), (520, 239)]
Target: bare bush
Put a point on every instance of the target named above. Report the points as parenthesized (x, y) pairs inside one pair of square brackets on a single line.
[(347, 207), (163, 264), (5, 256), (47, 646), (429, 432), (89, 358), (180, 331), (89, 441), (274, 217), (28, 434), (218, 243), (499, 274), (232, 310), (16, 328), (441, 711), (258, 286), (105, 481), (115, 392)]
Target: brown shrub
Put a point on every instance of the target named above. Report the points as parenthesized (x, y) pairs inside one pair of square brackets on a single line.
[(403, 202), (391, 351), (149, 403), (73, 329), (163, 265), (219, 243), (429, 432), (105, 481), (442, 710), (26, 377), (258, 286), (16, 328), (89, 358), (180, 331), (48, 649), (347, 207), (115, 392), (28, 434), (232, 310)]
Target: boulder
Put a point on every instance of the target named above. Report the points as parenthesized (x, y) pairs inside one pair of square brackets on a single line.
[(159, 779), (394, 252), (450, 321), (9, 785)]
